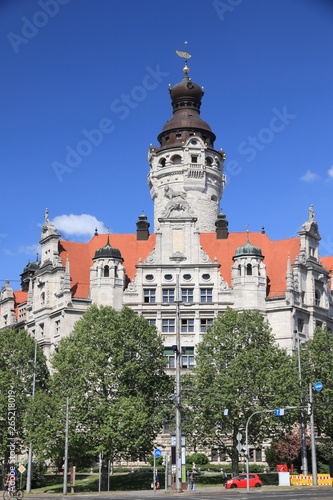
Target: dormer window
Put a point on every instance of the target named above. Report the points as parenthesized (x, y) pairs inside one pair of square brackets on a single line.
[(194, 159)]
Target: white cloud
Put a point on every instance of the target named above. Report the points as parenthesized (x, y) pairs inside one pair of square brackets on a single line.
[(29, 249), (310, 176), (330, 171), (80, 225)]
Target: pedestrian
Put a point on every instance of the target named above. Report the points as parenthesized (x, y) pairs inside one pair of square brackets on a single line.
[(157, 482), (224, 476), (191, 482)]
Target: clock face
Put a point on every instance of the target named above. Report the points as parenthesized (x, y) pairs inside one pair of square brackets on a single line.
[(174, 441)]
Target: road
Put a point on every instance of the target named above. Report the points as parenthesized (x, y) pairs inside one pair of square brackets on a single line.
[(306, 493)]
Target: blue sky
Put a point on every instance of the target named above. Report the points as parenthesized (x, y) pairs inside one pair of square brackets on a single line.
[(84, 92)]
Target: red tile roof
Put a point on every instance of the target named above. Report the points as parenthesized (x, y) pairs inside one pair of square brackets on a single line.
[(80, 256), (275, 254)]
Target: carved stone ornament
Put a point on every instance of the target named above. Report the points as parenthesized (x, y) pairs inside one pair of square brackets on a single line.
[(223, 285), (178, 257), (177, 209), (132, 286), (204, 257), (151, 257)]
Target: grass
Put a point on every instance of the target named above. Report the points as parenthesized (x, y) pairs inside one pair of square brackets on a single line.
[(85, 483), (130, 481)]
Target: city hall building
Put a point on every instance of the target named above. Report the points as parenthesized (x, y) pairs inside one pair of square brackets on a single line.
[(190, 269)]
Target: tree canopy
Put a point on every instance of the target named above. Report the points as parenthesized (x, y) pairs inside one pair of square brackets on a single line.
[(17, 352), (112, 370), (239, 368), (317, 366)]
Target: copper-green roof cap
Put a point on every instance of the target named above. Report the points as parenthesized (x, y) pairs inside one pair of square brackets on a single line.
[(248, 249)]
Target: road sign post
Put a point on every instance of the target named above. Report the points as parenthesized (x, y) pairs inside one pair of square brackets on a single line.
[(157, 454), (318, 387)]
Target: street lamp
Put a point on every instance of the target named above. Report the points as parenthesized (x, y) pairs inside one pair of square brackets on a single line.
[(66, 448), (29, 467), (302, 417), (178, 395)]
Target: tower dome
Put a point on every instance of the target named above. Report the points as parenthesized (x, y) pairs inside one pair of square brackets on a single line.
[(108, 252), (248, 250), (186, 99)]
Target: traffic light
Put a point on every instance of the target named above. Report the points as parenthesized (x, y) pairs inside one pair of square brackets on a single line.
[(251, 453), (309, 409)]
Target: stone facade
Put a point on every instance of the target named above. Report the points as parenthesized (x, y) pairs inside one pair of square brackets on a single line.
[(190, 270)]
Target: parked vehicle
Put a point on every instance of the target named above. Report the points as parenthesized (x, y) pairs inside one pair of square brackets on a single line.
[(240, 481)]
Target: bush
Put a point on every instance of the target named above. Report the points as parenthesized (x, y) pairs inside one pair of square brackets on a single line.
[(198, 459)]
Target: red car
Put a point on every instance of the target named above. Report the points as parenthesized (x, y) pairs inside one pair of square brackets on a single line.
[(240, 481)]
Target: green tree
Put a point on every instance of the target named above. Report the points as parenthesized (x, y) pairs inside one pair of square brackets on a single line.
[(113, 371), (317, 366), (17, 351), (239, 367)]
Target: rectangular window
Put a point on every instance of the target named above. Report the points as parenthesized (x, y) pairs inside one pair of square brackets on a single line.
[(187, 295), (168, 325), (169, 355), (300, 325), (187, 325), (187, 358), (206, 295), (152, 321), (168, 295), (205, 323), (149, 295)]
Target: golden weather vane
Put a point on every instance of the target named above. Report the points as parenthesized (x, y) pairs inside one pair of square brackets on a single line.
[(183, 54)]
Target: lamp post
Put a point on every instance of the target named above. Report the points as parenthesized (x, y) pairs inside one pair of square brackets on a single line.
[(178, 396), (66, 448), (29, 467), (302, 417), (313, 442)]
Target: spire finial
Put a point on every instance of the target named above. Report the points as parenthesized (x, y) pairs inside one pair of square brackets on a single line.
[(185, 55), (247, 232), (108, 241), (46, 216)]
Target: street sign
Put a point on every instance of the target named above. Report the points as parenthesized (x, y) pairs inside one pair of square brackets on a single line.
[(239, 436), (279, 412), (157, 452), (239, 447), (21, 469), (318, 386)]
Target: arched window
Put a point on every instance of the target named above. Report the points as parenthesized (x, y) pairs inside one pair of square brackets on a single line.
[(176, 160), (162, 162), (239, 270), (249, 270), (106, 271), (208, 161)]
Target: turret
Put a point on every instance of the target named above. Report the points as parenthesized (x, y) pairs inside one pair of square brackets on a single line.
[(107, 277)]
